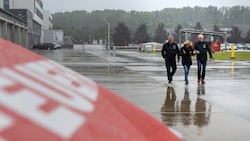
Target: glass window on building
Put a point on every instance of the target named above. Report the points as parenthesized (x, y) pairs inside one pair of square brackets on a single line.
[(58, 36), (40, 3), (6, 4), (39, 14)]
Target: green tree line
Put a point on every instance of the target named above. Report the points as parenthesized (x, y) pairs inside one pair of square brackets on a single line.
[(85, 26)]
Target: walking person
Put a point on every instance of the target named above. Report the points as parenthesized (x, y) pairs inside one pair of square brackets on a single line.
[(169, 52), (201, 48), (186, 53)]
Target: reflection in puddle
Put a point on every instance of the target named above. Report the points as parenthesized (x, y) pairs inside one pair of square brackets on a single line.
[(202, 113), (201, 89), (185, 112), (185, 108), (170, 106)]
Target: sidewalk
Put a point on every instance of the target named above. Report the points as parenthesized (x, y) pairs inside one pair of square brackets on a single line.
[(218, 110)]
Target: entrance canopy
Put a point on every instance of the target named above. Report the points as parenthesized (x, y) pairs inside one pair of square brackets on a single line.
[(193, 31)]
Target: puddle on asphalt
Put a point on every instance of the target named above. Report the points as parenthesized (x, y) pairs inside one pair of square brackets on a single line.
[(185, 111)]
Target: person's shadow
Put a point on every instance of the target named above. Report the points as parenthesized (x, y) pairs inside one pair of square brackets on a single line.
[(202, 113), (185, 108), (169, 108)]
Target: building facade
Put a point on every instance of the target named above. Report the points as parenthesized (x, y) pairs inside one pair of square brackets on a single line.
[(13, 28), (55, 36), (32, 12), (47, 24), (47, 20)]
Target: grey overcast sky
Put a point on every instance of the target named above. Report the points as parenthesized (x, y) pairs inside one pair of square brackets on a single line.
[(138, 5)]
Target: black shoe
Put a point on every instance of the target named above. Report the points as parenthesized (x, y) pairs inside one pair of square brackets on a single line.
[(169, 81), (186, 83)]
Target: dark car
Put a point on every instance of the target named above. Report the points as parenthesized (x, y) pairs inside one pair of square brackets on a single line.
[(47, 46)]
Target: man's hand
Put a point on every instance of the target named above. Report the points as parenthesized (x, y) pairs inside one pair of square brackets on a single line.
[(197, 52)]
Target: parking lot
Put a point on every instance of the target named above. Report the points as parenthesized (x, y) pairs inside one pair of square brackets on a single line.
[(218, 110)]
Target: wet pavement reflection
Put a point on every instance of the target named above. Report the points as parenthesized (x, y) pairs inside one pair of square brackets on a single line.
[(202, 109), (218, 110), (178, 110), (185, 108)]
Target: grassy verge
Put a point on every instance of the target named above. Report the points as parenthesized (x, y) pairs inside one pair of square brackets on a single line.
[(227, 55), (243, 56)]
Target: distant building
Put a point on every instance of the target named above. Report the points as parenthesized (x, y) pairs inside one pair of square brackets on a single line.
[(47, 23), (32, 12), (26, 15), (68, 41), (47, 20), (13, 28), (54, 36)]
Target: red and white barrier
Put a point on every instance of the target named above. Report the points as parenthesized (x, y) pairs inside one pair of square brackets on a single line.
[(41, 100)]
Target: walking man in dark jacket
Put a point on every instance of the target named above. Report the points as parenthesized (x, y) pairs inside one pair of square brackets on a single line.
[(201, 48), (169, 52)]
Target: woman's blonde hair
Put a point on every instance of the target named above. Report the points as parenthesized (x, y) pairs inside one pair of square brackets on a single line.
[(187, 42)]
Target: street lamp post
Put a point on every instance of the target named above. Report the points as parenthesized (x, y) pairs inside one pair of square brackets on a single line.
[(108, 44)]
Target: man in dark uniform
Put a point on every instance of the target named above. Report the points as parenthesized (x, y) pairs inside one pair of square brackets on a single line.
[(201, 48), (169, 52)]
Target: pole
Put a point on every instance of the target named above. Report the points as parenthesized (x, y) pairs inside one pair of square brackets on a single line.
[(232, 53), (154, 49), (108, 44)]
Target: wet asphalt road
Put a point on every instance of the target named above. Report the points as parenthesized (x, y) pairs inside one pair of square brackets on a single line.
[(218, 110)]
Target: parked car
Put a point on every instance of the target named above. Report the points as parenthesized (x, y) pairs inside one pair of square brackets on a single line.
[(57, 46), (227, 46), (47, 46), (247, 46), (148, 47), (240, 46), (133, 46)]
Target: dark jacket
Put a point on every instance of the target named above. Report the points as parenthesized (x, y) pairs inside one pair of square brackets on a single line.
[(169, 52), (187, 58), (203, 48)]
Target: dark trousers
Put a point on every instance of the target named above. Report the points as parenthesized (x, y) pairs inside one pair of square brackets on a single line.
[(171, 69), (201, 69)]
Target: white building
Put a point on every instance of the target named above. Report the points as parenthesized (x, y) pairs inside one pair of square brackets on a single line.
[(54, 36), (13, 28), (35, 7), (47, 20), (47, 23)]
